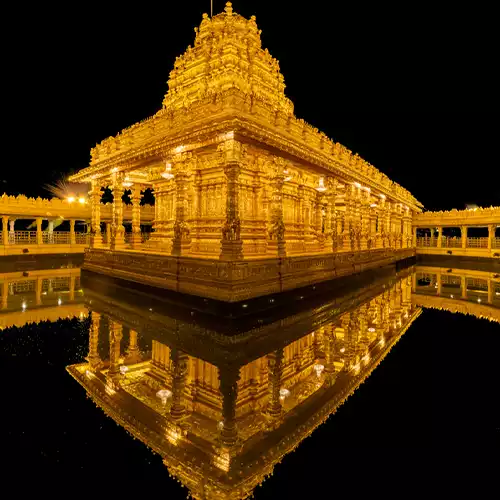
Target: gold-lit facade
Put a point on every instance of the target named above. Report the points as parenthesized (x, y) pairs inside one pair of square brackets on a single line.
[(223, 410), (249, 199)]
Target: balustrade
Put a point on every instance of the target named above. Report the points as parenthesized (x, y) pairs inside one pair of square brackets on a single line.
[(426, 242), (452, 242), (477, 242)]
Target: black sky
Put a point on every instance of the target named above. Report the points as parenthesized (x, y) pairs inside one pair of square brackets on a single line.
[(410, 87)]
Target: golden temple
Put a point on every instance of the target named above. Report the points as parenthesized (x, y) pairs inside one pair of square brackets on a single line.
[(249, 199)]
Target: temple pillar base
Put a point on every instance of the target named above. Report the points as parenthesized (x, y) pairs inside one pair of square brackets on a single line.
[(136, 240), (277, 248), (231, 250), (96, 241), (181, 247)]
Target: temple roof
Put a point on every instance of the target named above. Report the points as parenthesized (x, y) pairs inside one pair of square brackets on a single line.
[(226, 82), (227, 53)]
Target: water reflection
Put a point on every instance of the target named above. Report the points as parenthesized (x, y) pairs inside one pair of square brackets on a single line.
[(466, 291), (42, 294), (223, 410)]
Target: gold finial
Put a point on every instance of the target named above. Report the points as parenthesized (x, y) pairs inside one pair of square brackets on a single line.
[(229, 8)]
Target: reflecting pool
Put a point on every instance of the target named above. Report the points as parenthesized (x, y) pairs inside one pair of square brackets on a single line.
[(102, 377)]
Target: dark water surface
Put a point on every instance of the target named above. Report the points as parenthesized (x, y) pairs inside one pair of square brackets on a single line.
[(425, 418)]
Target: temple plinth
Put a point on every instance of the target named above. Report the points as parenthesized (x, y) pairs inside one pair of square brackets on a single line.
[(249, 199)]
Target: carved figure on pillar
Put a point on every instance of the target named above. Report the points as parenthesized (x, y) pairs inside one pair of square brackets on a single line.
[(275, 369), (115, 337), (179, 368), (136, 216), (228, 386), (93, 356), (276, 242), (117, 229), (232, 155), (181, 242), (95, 202)]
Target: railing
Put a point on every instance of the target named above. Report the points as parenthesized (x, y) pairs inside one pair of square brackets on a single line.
[(447, 242), (145, 237), (56, 238), (426, 242), (495, 243), (477, 242), (82, 238), (23, 238)]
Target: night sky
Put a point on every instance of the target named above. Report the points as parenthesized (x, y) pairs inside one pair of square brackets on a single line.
[(409, 87)]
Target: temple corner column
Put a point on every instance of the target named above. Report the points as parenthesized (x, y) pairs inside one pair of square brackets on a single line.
[(463, 232), (232, 156), (228, 384)]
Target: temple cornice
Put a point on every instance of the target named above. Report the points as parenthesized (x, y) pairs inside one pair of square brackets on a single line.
[(246, 127)]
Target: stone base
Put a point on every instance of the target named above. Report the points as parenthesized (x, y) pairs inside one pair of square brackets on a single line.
[(237, 280)]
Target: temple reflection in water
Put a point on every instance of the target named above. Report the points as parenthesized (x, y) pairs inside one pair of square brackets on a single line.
[(222, 409)]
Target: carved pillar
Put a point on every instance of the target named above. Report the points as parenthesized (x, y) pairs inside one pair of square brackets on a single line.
[(179, 369), (347, 239), (356, 218), (38, 290), (117, 229), (133, 353), (301, 224), (109, 232), (72, 236), (5, 294), (95, 204), (463, 285), (136, 216), (93, 356), (115, 337), (364, 204), (329, 341), (331, 221), (5, 230), (440, 237), (415, 237), (319, 215), (276, 243), (232, 156), (463, 234), (72, 280), (491, 235), (228, 377), (181, 241), (438, 282), (275, 368), (39, 237)]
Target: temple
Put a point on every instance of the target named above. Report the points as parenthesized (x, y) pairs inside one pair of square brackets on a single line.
[(223, 410), (249, 199)]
